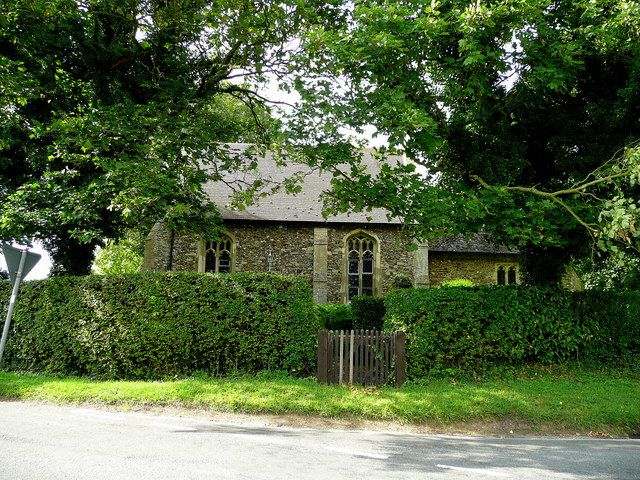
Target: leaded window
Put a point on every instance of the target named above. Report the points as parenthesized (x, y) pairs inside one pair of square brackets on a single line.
[(361, 265), (217, 255)]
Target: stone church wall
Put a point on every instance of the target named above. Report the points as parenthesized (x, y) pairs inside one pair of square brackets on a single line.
[(394, 257), (293, 247), (480, 268), (317, 252), (157, 251)]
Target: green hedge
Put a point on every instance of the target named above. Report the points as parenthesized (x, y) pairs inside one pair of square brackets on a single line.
[(159, 325), (335, 316), (454, 330), (368, 312)]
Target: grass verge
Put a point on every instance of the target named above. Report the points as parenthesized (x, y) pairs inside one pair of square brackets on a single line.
[(537, 401)]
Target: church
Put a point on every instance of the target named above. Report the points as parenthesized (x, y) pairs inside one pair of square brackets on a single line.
[(341, 256)]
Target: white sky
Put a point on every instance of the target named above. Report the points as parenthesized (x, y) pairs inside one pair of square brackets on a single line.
[(42, 268)]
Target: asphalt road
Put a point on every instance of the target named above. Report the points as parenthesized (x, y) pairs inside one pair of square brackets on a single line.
[(49, 442)]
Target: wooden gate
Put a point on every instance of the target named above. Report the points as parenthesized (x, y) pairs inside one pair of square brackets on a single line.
[(364, 357)]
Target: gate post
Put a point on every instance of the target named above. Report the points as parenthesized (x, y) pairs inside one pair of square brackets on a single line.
[(401, 359), (323, 353)]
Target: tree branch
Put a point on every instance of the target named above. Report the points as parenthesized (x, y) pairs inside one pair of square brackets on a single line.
[(231, 89), (590, 227), (569, 191), (554, 196)]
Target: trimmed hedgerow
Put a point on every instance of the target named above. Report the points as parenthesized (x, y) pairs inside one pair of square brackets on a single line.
[(368, 312), (458, 330), (335, 316), (159, 325)]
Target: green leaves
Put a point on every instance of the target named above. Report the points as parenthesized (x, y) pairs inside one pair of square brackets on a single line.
[(158, 326), (474, 329), (123, 256), (116, 109), (524, 93)]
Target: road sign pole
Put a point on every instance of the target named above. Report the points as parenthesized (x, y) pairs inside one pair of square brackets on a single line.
[(12, 303)]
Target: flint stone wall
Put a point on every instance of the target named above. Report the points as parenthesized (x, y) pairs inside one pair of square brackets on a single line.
[(317, 252), (480, 268), (292, 252)]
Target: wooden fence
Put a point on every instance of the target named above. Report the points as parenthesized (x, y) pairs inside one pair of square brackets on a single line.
[(364, 357)]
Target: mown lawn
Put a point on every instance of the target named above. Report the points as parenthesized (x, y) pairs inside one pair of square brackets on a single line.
[(542, 400)]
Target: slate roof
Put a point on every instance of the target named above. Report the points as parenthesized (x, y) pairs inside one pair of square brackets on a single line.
[(477, 243), (305, 206)]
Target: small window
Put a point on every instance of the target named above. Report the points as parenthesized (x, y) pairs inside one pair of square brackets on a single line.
[(507, 275), (217, 255)]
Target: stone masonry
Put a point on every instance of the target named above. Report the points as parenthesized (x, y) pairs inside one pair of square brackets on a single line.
[(287, 234), (393, 257), (316, 252), (480, 268)]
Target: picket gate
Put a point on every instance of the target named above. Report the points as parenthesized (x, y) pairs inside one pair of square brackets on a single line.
[(361, 357)]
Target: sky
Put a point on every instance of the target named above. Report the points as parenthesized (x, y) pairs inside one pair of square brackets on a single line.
[(41, 270)]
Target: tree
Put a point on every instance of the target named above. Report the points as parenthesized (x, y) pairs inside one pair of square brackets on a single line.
[(122, 256), (525, 115), (112, 111), (608, 274)]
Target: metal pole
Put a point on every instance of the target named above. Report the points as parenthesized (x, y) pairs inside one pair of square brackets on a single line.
[(12, 303)]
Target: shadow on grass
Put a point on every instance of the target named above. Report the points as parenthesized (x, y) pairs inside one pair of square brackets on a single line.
[(532, 405), (21, 385)]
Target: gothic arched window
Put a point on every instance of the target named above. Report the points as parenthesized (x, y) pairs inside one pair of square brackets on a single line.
[(361, 260), (218, 255)]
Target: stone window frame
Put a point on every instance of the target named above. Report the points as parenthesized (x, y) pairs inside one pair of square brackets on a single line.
[(507, 266), (202, 253), (377, 270)]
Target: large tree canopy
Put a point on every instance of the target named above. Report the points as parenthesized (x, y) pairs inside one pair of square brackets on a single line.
[(110, 111), (525, 113)]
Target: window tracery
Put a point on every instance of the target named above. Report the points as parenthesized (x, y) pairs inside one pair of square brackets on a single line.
[(361, 261), (218, 255)]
